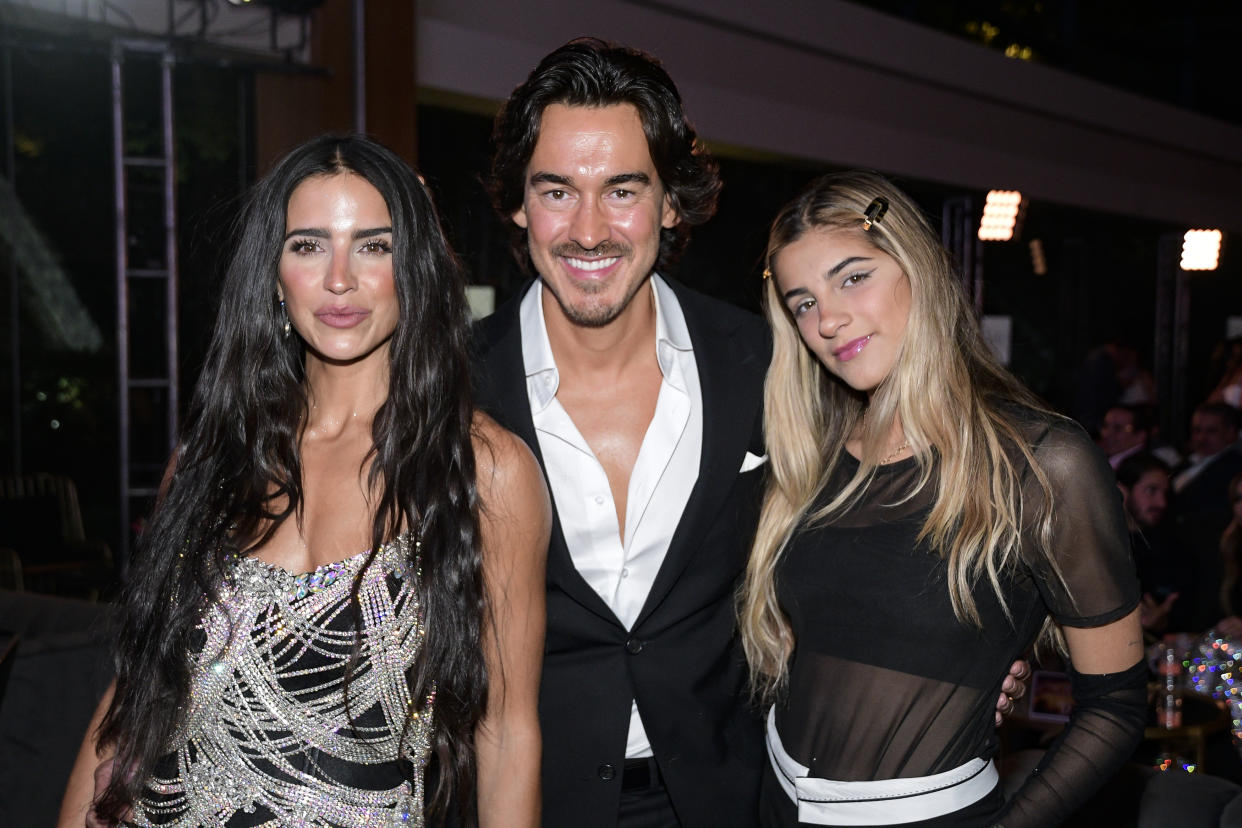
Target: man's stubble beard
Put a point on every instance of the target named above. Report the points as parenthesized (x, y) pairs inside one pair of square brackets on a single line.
[(595, 316)]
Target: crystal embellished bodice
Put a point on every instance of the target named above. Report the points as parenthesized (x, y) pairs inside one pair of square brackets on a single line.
[(270, 737)]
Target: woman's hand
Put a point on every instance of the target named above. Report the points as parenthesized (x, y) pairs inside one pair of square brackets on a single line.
[(92, 771), (103, 778)]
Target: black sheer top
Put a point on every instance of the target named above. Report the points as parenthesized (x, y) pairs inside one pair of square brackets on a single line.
[(885, 682)]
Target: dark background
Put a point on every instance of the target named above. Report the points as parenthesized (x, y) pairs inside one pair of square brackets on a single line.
[(1100, 283)]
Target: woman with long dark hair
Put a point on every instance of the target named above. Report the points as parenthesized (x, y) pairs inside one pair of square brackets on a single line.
[(925, 519), (268, 672)]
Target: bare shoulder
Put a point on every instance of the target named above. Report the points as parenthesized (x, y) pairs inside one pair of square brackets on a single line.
[(500, 456), (507, 474)]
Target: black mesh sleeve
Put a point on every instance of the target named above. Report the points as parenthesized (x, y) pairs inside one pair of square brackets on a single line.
[(1103, 730), (1090, 540)]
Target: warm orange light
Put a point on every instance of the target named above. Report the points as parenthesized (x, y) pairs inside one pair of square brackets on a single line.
[(1201, 249), (1000, 215)]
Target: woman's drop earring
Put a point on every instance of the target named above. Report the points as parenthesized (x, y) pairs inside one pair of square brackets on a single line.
[(285, 314)]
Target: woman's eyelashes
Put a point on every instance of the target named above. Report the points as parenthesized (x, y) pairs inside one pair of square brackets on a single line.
[(303, 245), (855, 278), (374, 246), (803, 305)]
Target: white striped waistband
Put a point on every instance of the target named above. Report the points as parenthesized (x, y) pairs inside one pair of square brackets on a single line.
[(883, 801)]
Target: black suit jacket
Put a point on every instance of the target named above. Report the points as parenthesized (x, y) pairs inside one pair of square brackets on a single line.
[(1202, 511), (1208, 491), (681, 661)]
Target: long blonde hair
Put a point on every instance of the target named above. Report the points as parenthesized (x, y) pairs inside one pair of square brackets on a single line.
[(946, 388)]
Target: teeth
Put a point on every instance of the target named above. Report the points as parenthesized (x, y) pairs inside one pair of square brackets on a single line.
[(592, 264)]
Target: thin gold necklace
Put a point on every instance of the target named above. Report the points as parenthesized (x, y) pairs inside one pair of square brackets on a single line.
[(894, 452)]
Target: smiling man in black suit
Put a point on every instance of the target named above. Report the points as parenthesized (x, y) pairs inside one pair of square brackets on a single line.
[(642, 400)]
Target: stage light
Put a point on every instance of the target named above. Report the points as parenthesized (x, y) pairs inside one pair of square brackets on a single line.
[(1000, 215), (1201, 249)]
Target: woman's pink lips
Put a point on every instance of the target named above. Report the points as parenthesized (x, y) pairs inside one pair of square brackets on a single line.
[(346, 317), (852, 348)]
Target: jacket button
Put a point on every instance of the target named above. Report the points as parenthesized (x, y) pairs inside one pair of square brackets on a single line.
[(634, 646), (606, 772)]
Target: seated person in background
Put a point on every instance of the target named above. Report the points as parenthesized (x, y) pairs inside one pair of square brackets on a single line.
[(1214, 459), (1138, 386), (1231, 563), (1099, 384), (1164, 575), (1201, 503), (1226, 364), (1129, 429)]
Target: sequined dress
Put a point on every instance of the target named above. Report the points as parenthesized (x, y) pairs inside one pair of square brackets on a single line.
[(267, 740)]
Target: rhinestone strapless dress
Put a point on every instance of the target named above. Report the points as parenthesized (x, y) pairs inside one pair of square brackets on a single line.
[(267, 739)]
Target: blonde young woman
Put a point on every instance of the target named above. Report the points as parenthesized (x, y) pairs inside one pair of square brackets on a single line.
[(924, 521)]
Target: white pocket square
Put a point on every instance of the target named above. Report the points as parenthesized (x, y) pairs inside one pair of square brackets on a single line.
[(751, 461)]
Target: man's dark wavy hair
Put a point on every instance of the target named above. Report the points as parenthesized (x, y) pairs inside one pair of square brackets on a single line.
[(593, 73), (237, 473), (1138, 464)]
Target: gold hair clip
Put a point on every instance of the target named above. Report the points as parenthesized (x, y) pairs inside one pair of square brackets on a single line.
[(875, 211), (767, 273)]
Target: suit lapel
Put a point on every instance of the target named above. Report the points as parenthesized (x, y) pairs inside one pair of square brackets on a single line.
[(502, 393), (727, 370)]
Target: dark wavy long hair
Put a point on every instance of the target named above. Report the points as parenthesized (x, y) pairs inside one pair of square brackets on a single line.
[(238, 471), (592, 72)]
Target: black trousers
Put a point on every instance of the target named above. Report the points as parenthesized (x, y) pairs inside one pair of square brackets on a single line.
[(646, 805)]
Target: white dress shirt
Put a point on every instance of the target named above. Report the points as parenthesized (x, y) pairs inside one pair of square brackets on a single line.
[(664, 474)]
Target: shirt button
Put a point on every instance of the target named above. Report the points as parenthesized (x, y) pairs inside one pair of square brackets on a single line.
[(634, 646), (606, 772), (625, 573), (599, 500)]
